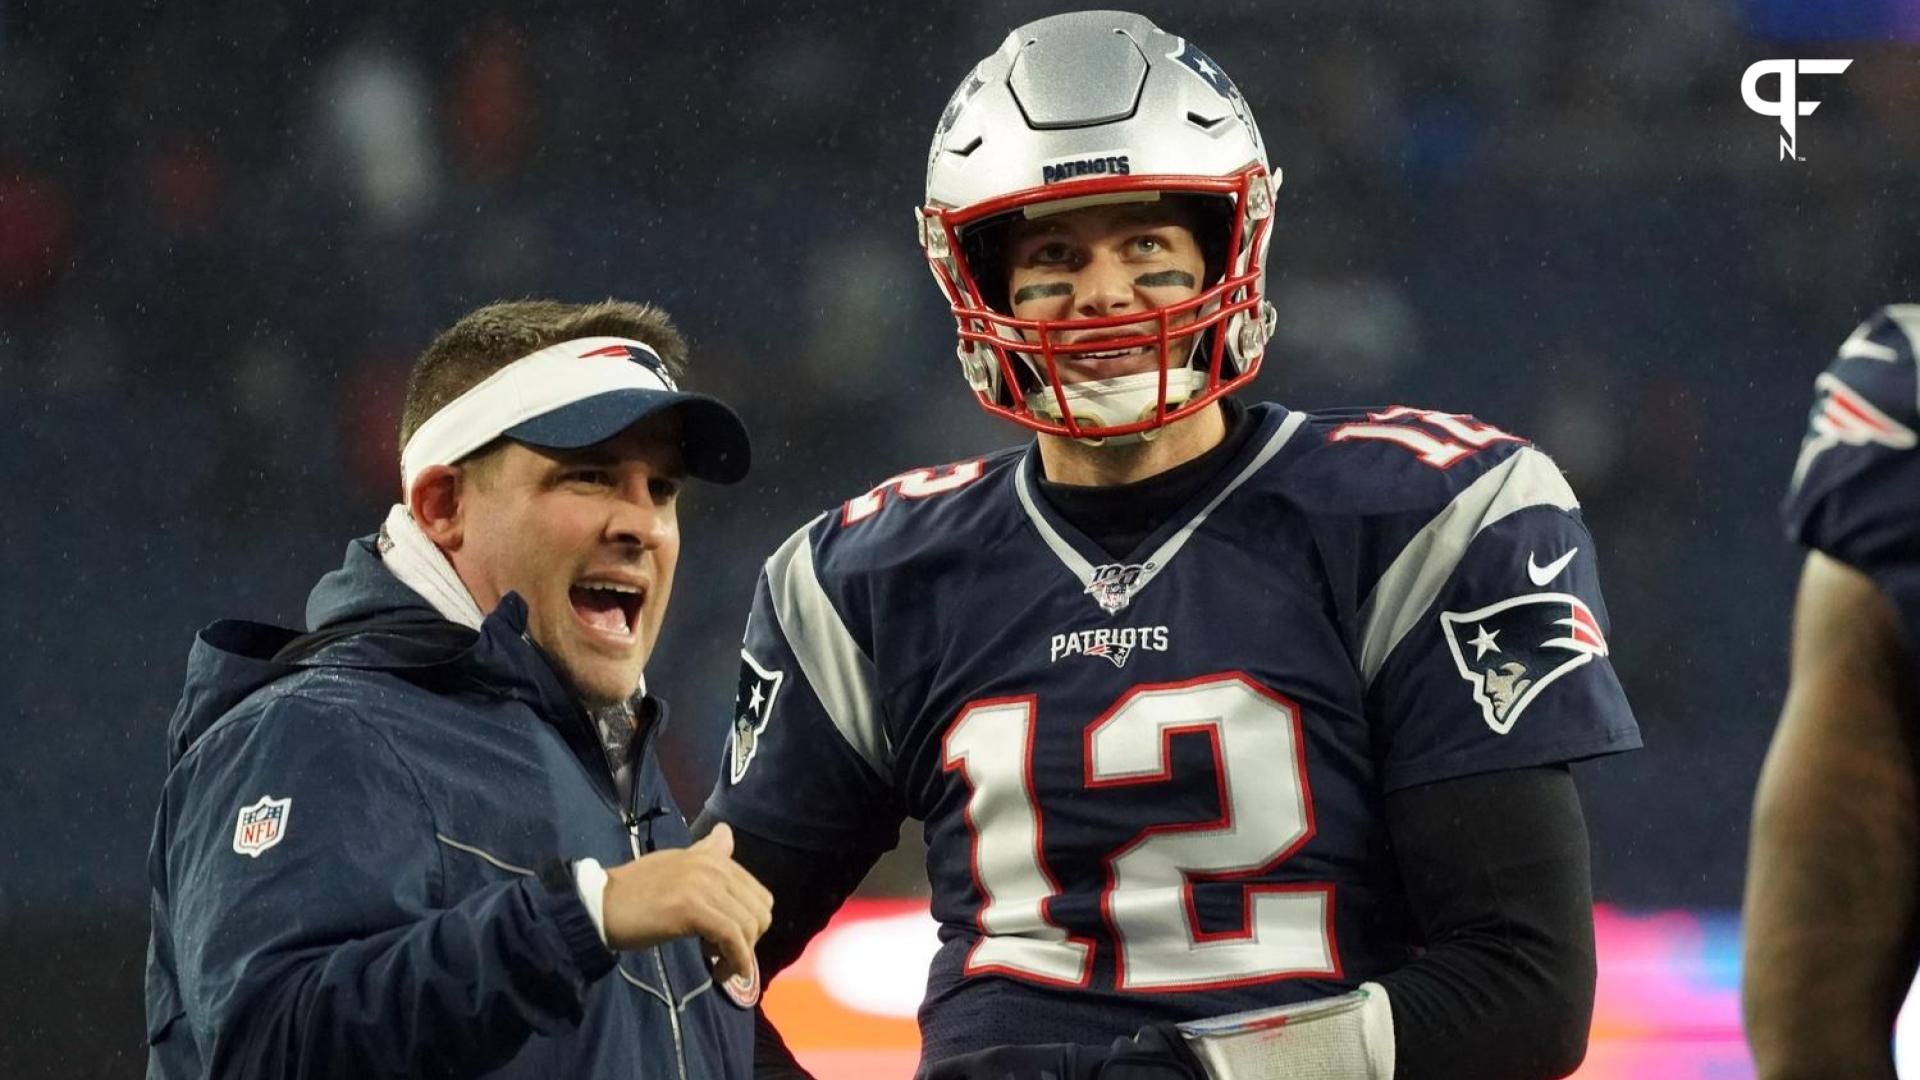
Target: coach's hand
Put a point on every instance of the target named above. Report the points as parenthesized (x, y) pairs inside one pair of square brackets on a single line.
[(693, 890)]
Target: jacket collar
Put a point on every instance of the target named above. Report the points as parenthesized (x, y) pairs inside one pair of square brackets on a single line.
[(364, 618)]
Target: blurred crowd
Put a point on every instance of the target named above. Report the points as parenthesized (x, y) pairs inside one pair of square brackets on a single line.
[(226, 229)]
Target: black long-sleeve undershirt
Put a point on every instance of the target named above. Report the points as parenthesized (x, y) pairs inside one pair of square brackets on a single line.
[(1496, 875)]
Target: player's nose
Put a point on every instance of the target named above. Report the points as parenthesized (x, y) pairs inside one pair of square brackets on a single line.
[(1105, 287)]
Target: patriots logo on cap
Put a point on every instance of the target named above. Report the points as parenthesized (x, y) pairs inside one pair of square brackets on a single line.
[(1510, 651), (646, 358), (752, 708)]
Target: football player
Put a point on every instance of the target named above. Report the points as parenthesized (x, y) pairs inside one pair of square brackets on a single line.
[(1207, 709), (1833, 878)]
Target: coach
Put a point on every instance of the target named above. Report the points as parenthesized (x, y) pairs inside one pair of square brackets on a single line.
[(427, 837)]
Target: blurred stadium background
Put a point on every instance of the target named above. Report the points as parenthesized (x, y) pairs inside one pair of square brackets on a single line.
[(227, 227)]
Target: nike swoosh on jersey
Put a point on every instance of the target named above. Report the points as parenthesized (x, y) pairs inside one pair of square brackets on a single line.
[(1540, 575)]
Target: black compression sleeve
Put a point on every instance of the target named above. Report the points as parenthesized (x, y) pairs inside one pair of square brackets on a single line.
[(1496, 874)]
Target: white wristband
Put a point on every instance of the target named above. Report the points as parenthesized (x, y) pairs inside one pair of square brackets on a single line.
[(591, 879)]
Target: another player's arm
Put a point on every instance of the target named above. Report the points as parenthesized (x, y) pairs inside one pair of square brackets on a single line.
[(1833, 882)]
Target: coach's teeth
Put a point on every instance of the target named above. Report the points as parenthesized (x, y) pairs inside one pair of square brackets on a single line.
[(610, 587)]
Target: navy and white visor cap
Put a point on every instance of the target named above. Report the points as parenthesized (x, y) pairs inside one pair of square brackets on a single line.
[(576, 394)]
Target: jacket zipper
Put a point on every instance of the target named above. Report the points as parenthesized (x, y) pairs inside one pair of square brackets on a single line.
[(636, 760), (630, 816), (660, 964)]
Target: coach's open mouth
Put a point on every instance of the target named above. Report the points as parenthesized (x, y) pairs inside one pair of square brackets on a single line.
[(611, 608)]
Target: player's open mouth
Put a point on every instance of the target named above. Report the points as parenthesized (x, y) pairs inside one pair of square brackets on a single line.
[(610, 608), (1109, 363), (1113, 354)]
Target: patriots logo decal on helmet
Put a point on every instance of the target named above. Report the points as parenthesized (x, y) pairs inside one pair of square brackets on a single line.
[(1203, 66), (1510, 651), (752, 708)]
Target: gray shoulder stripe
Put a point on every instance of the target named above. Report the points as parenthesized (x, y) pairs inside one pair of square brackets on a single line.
[(1414, 580), (484, 854), (841, 675)]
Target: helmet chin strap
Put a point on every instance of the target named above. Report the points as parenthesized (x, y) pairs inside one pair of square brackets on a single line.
[(1123, 399)]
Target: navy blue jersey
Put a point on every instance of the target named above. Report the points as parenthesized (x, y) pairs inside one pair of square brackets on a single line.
[(1152, 786), (1855, 493)]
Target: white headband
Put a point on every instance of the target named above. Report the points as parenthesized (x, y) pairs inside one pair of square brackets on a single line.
[(531, 386)]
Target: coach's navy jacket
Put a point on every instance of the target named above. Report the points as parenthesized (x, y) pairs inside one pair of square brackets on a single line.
[(355, 864)]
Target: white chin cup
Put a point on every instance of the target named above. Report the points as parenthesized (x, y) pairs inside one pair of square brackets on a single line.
[(1123, 399)]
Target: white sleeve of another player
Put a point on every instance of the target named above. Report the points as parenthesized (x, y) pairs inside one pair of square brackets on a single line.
[(1349, 1037)]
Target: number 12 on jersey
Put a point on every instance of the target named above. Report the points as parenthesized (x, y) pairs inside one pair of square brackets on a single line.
[(1266, 814)]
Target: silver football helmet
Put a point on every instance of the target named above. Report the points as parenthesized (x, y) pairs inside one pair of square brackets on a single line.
[(1081, 109)]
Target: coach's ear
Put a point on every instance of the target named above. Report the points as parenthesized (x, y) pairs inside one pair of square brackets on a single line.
[(434, 501)]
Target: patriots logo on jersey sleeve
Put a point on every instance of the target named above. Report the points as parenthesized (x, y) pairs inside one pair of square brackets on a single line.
[(1843, 415), (752, 708), (1510, 651)]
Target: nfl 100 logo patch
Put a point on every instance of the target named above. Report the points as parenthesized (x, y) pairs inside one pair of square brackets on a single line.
[(1112, 585), (261, 825)]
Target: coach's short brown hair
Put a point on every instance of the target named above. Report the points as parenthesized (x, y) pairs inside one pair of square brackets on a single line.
[(486, 340)]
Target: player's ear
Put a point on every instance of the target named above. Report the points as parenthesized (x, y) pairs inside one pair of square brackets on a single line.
[(434, 500)]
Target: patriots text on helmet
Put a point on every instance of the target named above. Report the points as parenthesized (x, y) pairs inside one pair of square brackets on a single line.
[(1111, 165)]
